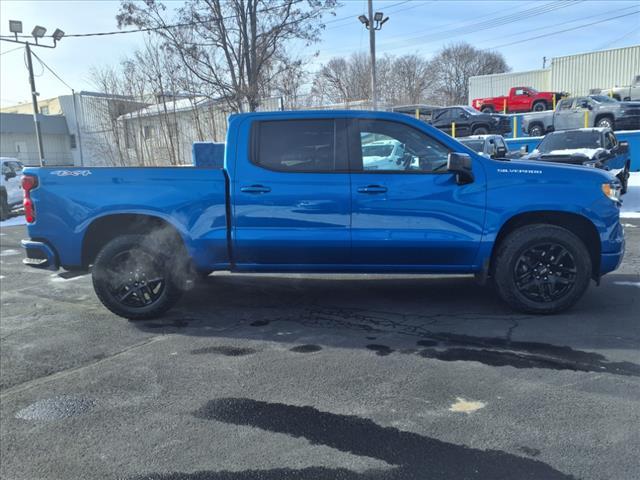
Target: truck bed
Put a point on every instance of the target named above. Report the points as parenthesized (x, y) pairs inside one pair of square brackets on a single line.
[(69, 201)]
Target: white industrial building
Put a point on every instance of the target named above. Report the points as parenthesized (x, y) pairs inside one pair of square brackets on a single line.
[(576, 74)]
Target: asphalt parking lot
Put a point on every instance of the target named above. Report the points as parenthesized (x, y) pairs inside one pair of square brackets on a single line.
[(315, 377)]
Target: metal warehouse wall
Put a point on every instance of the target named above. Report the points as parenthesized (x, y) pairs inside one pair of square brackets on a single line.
[(577, 74), (500, 83)]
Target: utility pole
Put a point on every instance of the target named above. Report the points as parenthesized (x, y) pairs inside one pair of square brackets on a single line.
[(15, 27), (373, 22), (36, 111)]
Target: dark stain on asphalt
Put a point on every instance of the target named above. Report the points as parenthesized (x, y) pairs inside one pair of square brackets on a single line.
[(426, 343), (64, 406), (532, 452), (177, 323), (259, 323), (225, 350), (411, 455), (308, 348), (381, 350), (500, 352), (370, 338)]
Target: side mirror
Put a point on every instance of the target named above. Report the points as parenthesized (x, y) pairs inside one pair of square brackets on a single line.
[(9, 174), (501, 152), (524, 149), (460, 164), (623, 147)]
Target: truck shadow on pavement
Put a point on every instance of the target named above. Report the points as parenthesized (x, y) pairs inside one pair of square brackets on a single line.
[(409, 455), (260, 307)]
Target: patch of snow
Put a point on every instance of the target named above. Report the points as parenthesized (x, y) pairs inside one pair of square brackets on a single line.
[(585, 152), (631, 200), (630, 284), (12, 222), (8, 252)]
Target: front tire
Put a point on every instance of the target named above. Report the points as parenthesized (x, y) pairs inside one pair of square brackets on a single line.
[(605, 122), (133, 279), (480, 131), (487, 110), (542, 269)]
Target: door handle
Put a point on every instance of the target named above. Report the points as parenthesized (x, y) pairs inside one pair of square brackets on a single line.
[(255, 189), (372, 189)]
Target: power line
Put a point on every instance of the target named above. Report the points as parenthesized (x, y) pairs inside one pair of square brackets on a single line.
[(486, 24), (51, 70), (563, 31), (152, 29), (12, 50), (612, 42)]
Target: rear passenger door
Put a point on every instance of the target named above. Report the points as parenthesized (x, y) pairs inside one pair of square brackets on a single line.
[(291, 194)]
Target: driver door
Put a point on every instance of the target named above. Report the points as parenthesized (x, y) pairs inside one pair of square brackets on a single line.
[(415, 215)]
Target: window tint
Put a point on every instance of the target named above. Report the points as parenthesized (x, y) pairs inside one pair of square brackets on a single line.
[(413, 150), (441, 116), (295, 145), (519, 91)]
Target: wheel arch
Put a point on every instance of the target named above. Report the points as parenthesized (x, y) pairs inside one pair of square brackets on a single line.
[(107, 227), (577, 224), (600, 116)]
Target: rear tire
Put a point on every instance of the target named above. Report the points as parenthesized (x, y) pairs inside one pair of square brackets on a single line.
[(539, 107), (135, 280), (4, 206), (536, 131), (480, 131), (542, 269), (487, 110)]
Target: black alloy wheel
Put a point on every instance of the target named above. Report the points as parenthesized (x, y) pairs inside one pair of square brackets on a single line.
[(545, 272)]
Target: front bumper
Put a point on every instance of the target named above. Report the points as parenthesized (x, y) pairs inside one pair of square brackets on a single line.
[(610, 261), (40, 255)]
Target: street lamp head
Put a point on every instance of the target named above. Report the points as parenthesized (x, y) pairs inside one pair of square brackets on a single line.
[(58, 34), (15, 26), (38, 31), (378, 16), (364, 20)]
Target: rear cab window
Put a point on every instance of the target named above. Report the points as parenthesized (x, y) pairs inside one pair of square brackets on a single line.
[(300, 145)]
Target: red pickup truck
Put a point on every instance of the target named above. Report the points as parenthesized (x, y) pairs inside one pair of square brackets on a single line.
[(520, 99)]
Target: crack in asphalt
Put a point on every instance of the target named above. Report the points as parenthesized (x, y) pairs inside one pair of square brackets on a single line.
[(34, 382)]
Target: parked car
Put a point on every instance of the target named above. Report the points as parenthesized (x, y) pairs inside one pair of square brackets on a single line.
[(10, 186), (296, 196), (424, 112), (383, 155), (570, 113), (469, 121), (491, 146), (520, 99), (625, 94), (592, 147)]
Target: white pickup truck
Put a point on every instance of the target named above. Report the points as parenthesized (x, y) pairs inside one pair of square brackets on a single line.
[(623, 94), (10, 188)]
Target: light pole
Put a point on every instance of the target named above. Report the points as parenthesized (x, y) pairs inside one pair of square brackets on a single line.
[(15, 27), (373, 23)]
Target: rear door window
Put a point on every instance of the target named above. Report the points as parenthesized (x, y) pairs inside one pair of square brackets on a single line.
[(299, 145)]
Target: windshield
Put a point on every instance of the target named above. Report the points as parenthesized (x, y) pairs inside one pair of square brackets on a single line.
[(475, 145), (377, 150), (533, 91), (569, 140), (602, 99)]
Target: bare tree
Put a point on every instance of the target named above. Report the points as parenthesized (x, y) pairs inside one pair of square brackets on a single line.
[(231, 45), (456, 63)]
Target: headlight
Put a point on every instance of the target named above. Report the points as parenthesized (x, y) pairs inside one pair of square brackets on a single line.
[(612, 191)]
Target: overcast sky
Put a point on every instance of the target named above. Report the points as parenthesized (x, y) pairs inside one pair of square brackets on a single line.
[(418, 26)]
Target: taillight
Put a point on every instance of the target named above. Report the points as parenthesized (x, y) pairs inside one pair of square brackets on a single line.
[(29, 182)]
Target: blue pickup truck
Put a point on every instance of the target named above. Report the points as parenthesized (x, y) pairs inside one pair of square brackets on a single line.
[(300, 193)]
